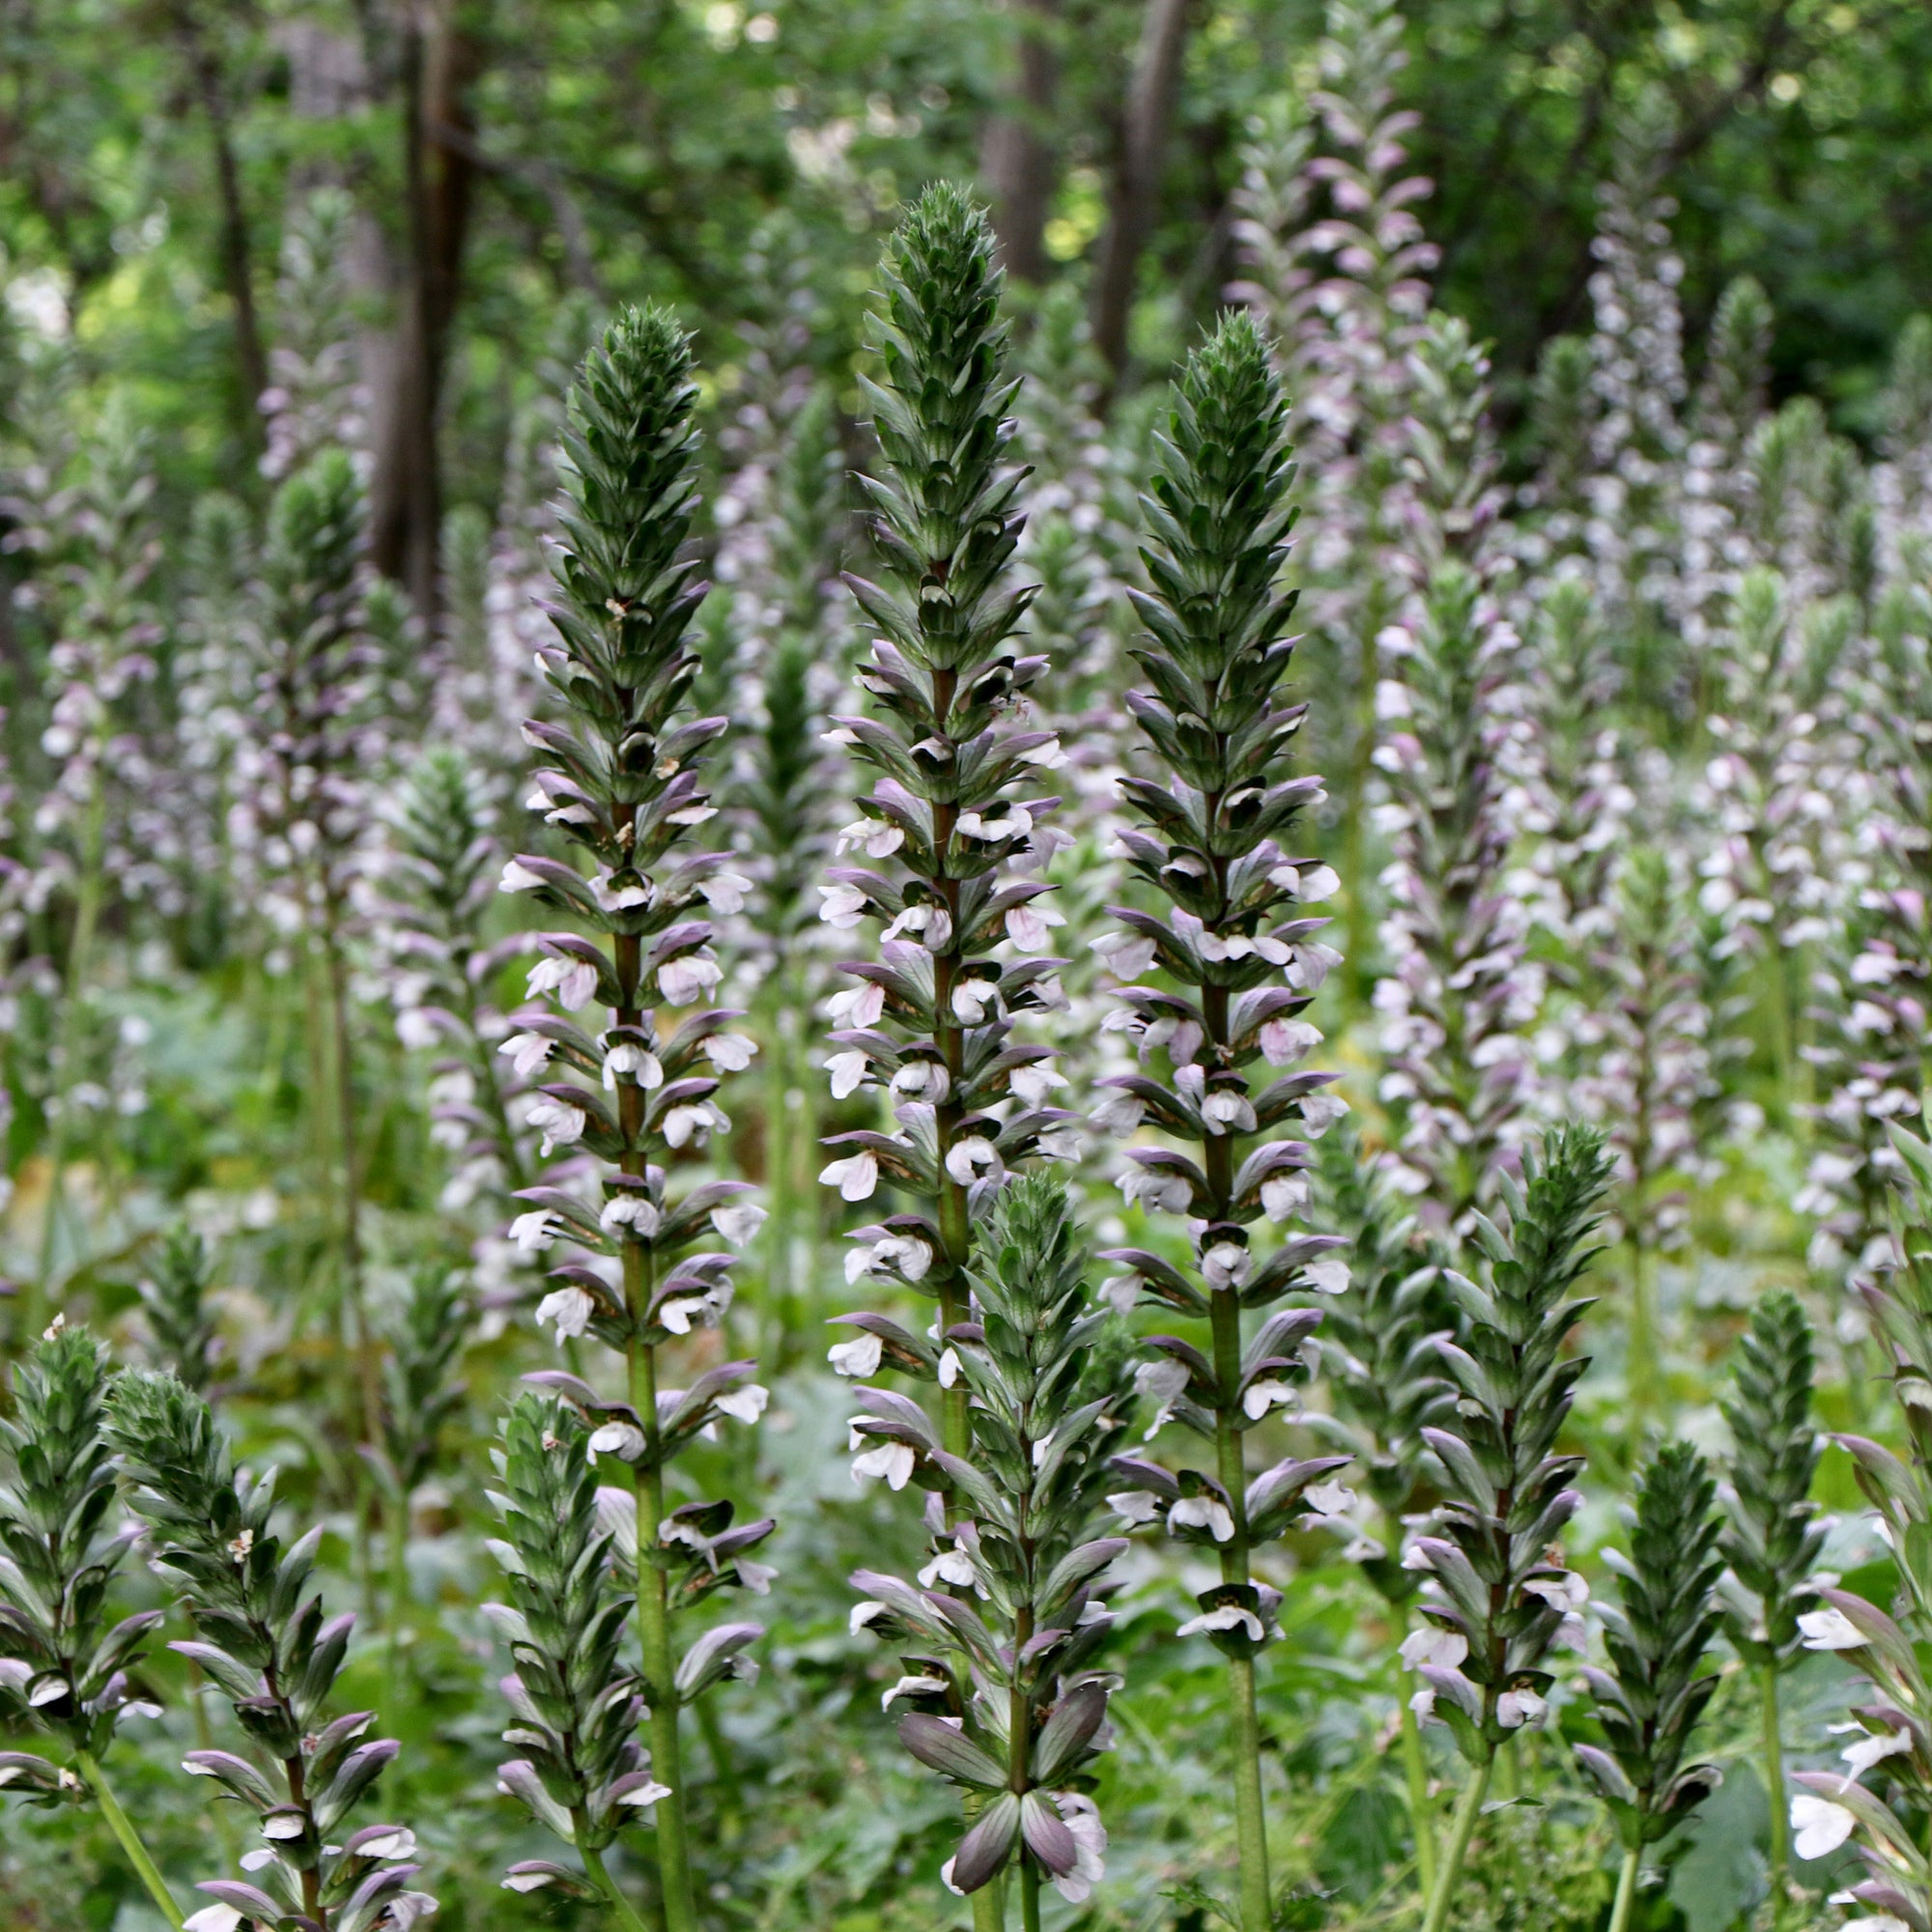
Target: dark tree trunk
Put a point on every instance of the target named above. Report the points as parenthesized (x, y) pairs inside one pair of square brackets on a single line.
[(1016, 152), (1143, 144), (238, 268), (405, 489)]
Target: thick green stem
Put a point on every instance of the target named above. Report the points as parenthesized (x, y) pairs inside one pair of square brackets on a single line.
[(130, 1841), (628, 1915), (1416, 1773), (1029, 1897), (1774, 1779), (1620, 1912), (1462, 1829)]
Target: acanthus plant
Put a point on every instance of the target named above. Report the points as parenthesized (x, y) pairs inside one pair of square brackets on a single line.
[(263, 1639), (621, 782), (954, 804), (182, 1335), (1244, 961), (65, 1671), (1460, 989), (1496, 1596), (1893, 1741), (1657, 1641), (426, 909), (1005, 1699), (1773, 1533), (1902, 483), (1385, 1386)]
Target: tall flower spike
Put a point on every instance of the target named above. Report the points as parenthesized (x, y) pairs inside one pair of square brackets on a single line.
[(954, 803), (182, 1336), (63, 1671), (1246, 965), (1496, 1598), (1896, 1724), (263, 1640), (1650, 1699), (622, 783), (1772, 1535), (1003, 1698), (576, 1701)]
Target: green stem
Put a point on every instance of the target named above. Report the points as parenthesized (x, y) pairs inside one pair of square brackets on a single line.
[(130, 1841), (1462, 1829), (1029, 1897), (1415, 1773), (1774, 1778), (654, 1628), (1620, 1912), (399, 1593), (1642, 1346), (628, 1915)]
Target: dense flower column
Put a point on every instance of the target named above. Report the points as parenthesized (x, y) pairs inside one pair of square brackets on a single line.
[(1005, 1700), (1246, 965), (1773, 1533), (623, 784), (931, 1019), (1498, 1599), (1659, 1640), (1902, 483), (1895, 1721), (264, 1641), (64, 1671)]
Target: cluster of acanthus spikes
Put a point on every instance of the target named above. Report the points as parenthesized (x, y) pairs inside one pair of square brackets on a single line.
[(931, 1017), (264, 1641), (623, 785)]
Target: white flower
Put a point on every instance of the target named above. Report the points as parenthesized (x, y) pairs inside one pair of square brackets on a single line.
[(933, 923), (693, 1123), (1119, 1114), (1028, 925), (912, 1256), (1135, 1505), (911, 1686), (970, 1000), (573, 980), (756, 1577), (855, 1177), (620, 898), (1818, 1826), (212, 1918), (1128, 955), (517, 878), (1153, 1190), (1226, 1112), (1520, 1707), (1161, 1380), (684, 1312), (533, 1232), (945, 1876), (737, 1221), (857, 1357), (1567, 1592), (559, 1122), (893, 1461), (879, 838), (637, 1211), (646, 1794), (1332, 1502), (1227, 1617), (856, 1006), (1017, 823), (863, 1615), (1033, 1085), (1830, 1630), (1081, 1817), (1444, 1649), (526, 1053), (1327, 1277), (964, 1160), (1226, 1264), (1283, 1196), (570, 1308), (1285, 1041), (924, 1080), (725, 893), (743, 1404), (848, 1072), (623, 1439), (1206, 1513), (628, 1060), (844, 905), (1319, 1112), (731, 1052), (1860, 1757), (687, 979), (950, 1566)]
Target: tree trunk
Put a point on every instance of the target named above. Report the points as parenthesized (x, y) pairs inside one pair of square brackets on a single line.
[(1016, 152), (237, 272), (437, 67), (1143, 143)]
